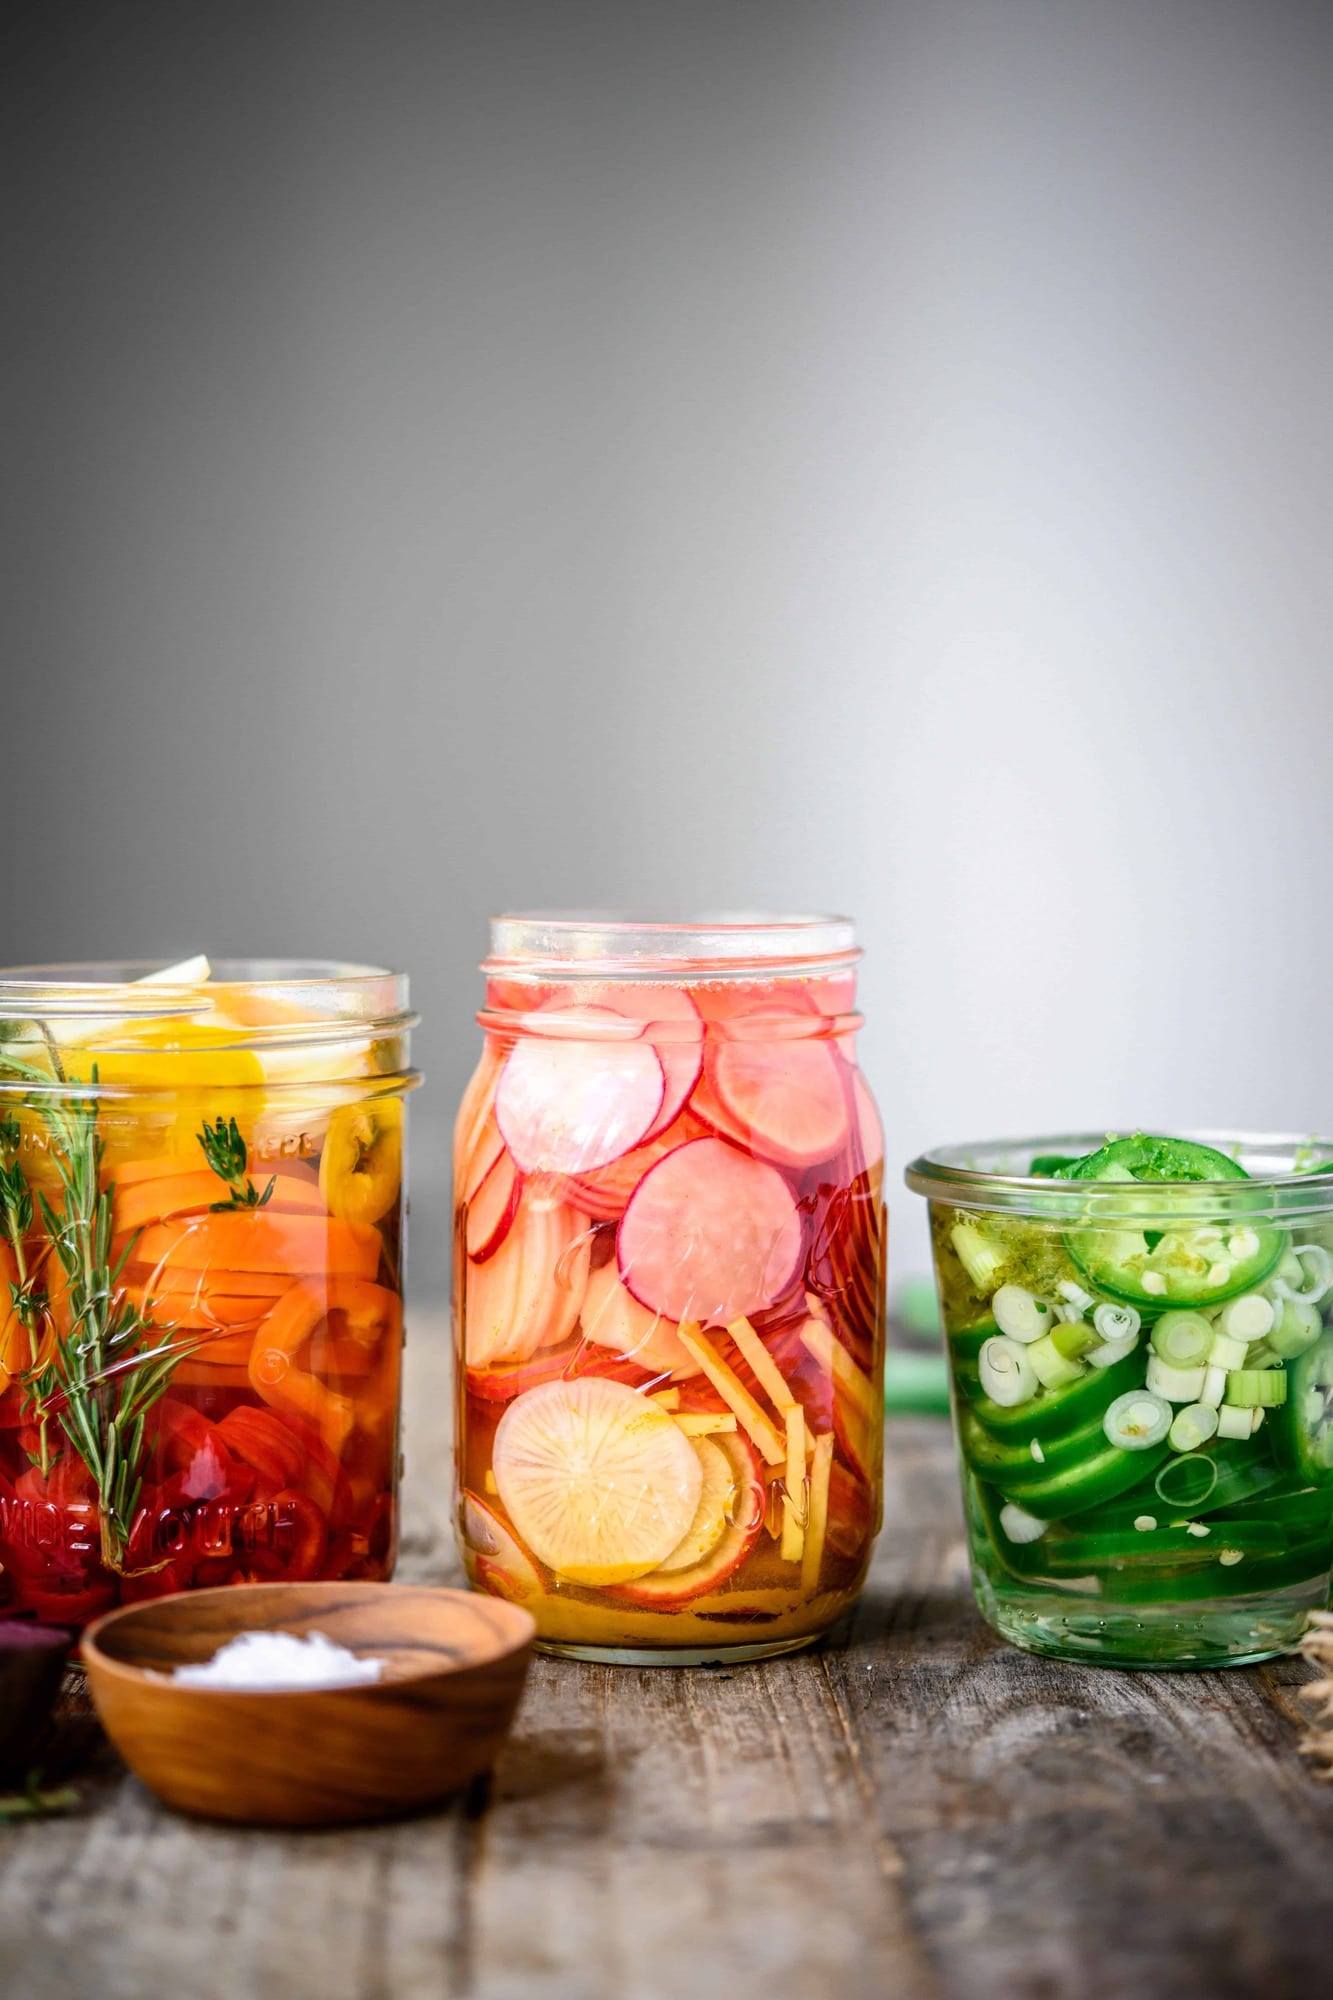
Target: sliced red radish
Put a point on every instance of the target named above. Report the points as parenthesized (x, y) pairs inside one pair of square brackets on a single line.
[(710, 1235), (474, 1113), (789, 1096), (599, 1482), (705, 1107), (679, 1045), (552, 1364), (491, 1211), (566, 1104), (499, 1562), (846, 1261), (603, 1194), (724, 1529), (732, 1001), (526, 1295), (613, 1318)]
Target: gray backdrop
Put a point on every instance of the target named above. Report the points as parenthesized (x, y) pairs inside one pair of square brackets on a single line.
[(766, 453)]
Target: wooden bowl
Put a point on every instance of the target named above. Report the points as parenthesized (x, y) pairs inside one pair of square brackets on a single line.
[(455, 1669)]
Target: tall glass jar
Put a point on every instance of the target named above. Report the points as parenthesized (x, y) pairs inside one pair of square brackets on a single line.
[(201, 1263), (669, 1286), (1142, 1371)]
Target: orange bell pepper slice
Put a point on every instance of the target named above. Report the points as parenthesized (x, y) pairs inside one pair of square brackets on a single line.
[(367, 1313), (161, 1197)]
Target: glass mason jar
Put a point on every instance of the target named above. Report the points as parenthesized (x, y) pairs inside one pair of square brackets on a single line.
[(201, 1256), (1142, 1391), (669, 1286)]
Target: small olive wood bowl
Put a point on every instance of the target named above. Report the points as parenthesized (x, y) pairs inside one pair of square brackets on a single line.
[(312, 1756)]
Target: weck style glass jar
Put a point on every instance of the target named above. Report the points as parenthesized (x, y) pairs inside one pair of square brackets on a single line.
[(669, 1286), (1142, 1387), (201, 1264)]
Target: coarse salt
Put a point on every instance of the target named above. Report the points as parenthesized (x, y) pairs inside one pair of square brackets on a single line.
[(260, 1662)]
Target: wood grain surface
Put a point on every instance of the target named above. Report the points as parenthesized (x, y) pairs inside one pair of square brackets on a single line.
[(915, 1810)]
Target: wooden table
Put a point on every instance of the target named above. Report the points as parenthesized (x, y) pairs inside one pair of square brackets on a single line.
[(916, 1809)]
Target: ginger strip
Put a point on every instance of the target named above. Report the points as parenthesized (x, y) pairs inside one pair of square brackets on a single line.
[(821, 1341), (734, 1394), (794, 1503), (705, 1422), (817, 1524), (765, 1370), (666, 1399)]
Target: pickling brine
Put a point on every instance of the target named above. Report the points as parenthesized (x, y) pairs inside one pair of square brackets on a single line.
[(201, 1201), (669, 1287)]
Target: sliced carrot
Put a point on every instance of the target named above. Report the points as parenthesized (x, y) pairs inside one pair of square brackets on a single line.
[(166, 1166), (257, 1240), (230, 1375), (160, 1198), (195, 1313)]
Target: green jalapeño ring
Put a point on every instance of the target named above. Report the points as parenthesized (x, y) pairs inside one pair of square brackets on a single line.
[(1140, 1340)]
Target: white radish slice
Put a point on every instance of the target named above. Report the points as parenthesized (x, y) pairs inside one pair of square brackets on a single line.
[(491, 1211), (528, 1294), (789, 1096), (710, 1235), (567, 1105), (681, 1052), (612, 1317), (499, 1562), (678, 1580), (600, 1483)]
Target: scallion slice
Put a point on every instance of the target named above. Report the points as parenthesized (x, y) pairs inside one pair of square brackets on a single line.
[(1256, 1388), (1183, 1338), (1019, 1315), (1007, 1376), (1020, 1526), (1177, 1385), (1137, 1420), (1192, 1426)]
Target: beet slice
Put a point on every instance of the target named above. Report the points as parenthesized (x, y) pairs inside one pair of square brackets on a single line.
[(709, 1235), (566, 1104)]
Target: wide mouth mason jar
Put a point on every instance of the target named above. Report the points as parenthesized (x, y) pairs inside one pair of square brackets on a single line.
[(201, 1262), (1142, 1388), (669, 1285)]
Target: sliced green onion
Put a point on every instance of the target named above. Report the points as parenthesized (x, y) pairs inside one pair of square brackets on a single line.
[(1214, 1385), (1199, 1528), (1039, 1455), (1074, 1295), (980, 1259), (1116, 1324), (1246, 1318), (1314, 1269), (1177, 1385), (1183, 1338), (1145, 1523), (1052, 1369), (1137, 1420), (1192, 1426), (1075, 1339), (1112, 1351), (1226, 1353), (1020, 1526), (1019, 1315), (1186, 1482), (1256, 1388), (1007, 1376), (1234, 1423), (1297, 1328)]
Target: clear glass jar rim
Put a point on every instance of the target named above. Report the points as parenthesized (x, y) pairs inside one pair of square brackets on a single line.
[(717, 944), (325, 998), (1271, 1190)]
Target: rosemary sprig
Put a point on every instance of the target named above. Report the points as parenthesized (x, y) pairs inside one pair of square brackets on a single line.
[(98, 1379), (225, 1151)]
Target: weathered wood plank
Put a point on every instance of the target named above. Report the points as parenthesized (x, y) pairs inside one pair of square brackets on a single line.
[(916, 1811)]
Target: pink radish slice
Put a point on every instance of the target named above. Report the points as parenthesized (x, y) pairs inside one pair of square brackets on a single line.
[(613, 1318), (680, 1051), (788, 1095), (500, 1562), (736, 1000), (568, 1105), (603, 1194), (491, 1211), (705, 1106), (709, 1235)]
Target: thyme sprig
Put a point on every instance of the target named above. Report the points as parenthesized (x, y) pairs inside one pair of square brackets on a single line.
[(226, 1153), (97, 1379)]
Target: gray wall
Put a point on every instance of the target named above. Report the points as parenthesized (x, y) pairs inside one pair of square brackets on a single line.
[(786, 454)]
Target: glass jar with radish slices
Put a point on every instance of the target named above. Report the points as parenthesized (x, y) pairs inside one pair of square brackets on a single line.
[(1140, 1334), (201, 1248), (669, 1286)]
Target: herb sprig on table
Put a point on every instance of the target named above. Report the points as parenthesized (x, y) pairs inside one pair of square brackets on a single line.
[(227, 1155), (101, 1374)]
